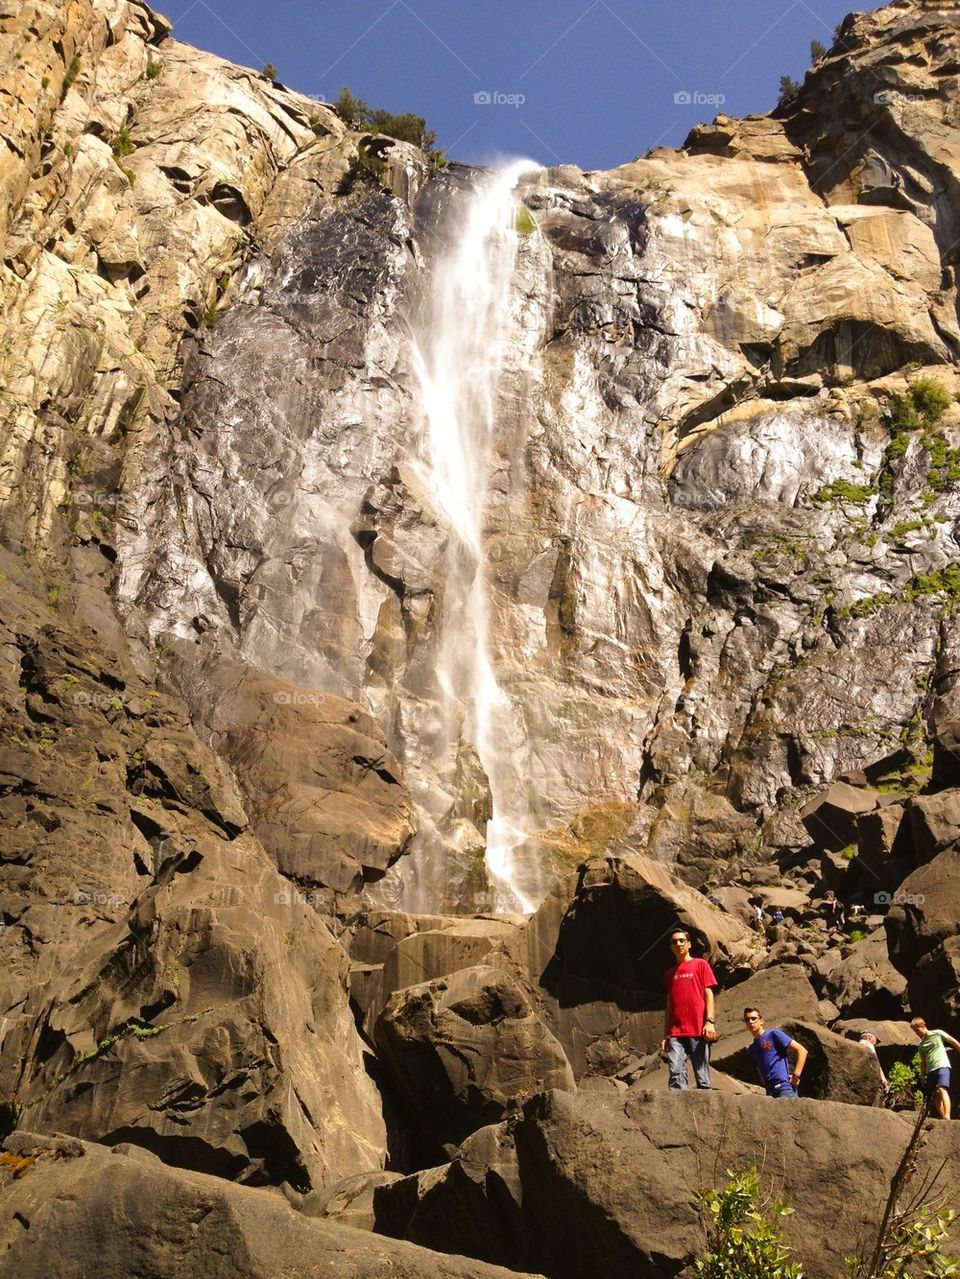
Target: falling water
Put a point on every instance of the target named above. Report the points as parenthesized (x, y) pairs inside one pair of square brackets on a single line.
[(460, 349)]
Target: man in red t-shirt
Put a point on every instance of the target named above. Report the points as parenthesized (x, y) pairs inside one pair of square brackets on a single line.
[(688, 1027)]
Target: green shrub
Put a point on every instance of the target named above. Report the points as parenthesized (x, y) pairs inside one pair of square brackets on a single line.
[(368, 166), (153, 70), (788, 90), (122, 145), (902, 527), (72, 72), (817, 50), (930, 398), (742, 1243), (269, 71)]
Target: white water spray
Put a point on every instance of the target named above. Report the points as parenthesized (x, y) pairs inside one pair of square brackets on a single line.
[(459, 354)]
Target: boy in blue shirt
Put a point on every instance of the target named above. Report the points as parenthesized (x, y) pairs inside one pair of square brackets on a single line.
[(770, 1053)]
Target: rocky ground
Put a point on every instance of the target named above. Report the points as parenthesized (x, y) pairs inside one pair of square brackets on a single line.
[(722, 552)]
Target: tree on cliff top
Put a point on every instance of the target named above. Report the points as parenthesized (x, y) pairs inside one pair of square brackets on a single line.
[(357, 114)]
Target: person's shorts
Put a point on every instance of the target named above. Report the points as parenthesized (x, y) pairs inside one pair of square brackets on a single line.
[(936, 1079)]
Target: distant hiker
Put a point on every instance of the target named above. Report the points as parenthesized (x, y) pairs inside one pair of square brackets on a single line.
[(778, 916), (935, 1065), (770, 1052), (688, 1025), (869, 1040), (758, 917), (838, 916)]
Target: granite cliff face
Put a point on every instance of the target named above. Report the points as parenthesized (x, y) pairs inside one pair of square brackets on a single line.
[(719, 560)]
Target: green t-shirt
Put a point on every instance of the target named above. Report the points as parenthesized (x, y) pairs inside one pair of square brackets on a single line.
[(933, 1051)]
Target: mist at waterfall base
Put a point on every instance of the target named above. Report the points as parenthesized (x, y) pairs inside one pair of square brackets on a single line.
[(461, 335)]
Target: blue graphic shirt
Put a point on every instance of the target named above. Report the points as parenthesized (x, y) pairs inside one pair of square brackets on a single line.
[(769, 1054)]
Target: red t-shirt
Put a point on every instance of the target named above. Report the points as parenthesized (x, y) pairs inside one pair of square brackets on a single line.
[(685, 985)]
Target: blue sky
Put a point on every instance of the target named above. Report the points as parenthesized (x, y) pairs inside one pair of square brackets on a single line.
[(587, 82)]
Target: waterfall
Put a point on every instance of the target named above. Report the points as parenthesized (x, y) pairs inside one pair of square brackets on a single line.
[(461, 337)]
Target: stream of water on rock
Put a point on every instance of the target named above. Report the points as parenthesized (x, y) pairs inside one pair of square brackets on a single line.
[(460, 346)]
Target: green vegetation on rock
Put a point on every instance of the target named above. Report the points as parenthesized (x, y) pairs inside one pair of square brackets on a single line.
[(844, 491), (406, 127), (743, 1243)]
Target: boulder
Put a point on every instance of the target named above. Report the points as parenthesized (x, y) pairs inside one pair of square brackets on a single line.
[(373, 934), (429, 953), (324, 793), (865, 983), (934, 985), (896, 1040), (831, 818), (472, 1205), (883, 844), (210, 1025), (597, 949), (836, 1069), (606, 1180), (350, 1202), (465, 1050), (780, 992), (934, 824), (75, 1209), (925, 911), (946, 747), (416, 949)]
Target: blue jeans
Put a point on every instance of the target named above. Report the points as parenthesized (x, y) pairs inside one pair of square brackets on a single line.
[(782, 1090), (678, 1050)]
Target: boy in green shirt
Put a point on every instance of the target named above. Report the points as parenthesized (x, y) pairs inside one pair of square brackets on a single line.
[(935, 1065)]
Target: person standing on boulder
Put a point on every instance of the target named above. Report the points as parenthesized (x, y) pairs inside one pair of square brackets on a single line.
[(770, 1052), (688, 1026), (869, 1040), (935, 1065)]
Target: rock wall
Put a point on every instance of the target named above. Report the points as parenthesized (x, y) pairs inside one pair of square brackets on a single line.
[(696, 524)]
